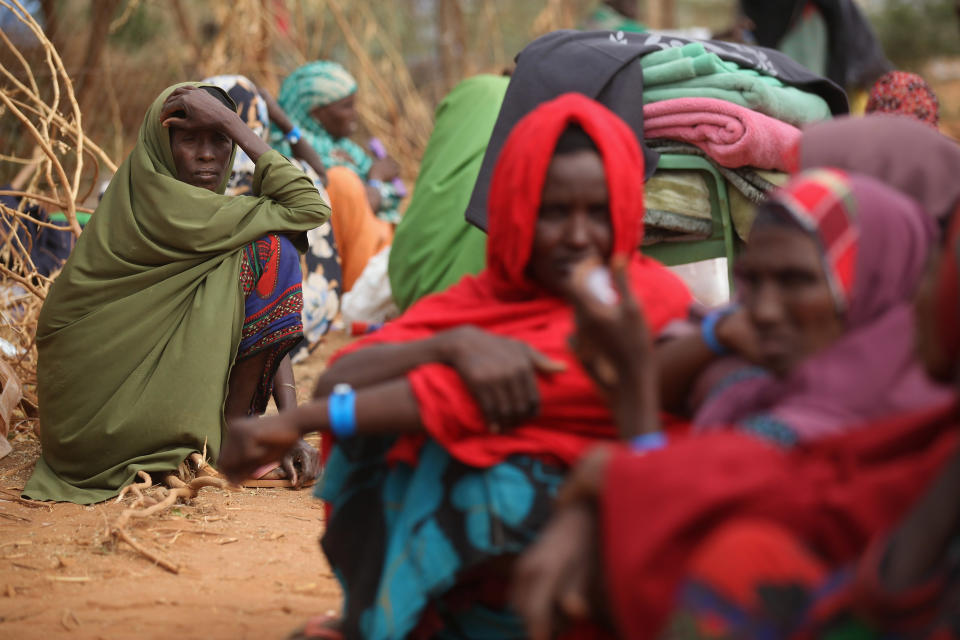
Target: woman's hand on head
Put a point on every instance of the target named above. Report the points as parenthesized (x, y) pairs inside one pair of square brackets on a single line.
[(501, 373), (254, 442), (193, 108)]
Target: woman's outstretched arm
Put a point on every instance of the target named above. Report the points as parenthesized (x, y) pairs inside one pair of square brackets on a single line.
[(387, 408), (501, 373)]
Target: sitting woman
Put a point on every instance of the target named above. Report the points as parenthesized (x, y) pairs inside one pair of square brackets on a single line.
[(176, 306), (824, 330), (319, 99), (725, 526), (456, 423)]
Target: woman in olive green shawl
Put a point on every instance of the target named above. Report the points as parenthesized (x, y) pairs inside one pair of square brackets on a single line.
[(139, 334)]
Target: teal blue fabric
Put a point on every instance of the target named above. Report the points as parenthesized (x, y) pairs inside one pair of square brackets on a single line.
[(400, 536)]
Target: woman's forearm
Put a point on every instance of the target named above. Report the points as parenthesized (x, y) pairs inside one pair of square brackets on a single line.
[(679, 362), (308, 154), (636, 407), (921, 542), (386, 408), (284, 385), (380, 363), (244, 137)]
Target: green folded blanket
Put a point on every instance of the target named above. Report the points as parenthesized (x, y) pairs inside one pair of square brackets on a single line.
[(691, 72)]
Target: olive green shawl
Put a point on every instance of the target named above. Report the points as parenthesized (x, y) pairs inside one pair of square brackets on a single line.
[(138, 333), (434, 245)]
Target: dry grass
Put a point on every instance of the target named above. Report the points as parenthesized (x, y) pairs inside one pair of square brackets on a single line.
[(37, 98)]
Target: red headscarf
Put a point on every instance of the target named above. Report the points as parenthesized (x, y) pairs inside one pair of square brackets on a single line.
[(503, 299)]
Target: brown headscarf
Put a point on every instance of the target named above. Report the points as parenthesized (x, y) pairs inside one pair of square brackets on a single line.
[(909, 156)]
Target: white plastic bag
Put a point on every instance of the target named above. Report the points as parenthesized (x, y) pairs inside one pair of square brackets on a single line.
[(370, 301)]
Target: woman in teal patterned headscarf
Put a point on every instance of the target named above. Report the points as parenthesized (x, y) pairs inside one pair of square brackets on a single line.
[(319, 98)]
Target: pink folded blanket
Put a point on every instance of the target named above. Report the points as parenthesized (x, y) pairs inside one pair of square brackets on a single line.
[(733, 136)]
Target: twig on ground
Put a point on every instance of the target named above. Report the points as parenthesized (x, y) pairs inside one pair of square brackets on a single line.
[(178, 490)]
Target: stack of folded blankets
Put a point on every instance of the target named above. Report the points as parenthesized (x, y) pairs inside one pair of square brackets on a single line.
[(737, 116)]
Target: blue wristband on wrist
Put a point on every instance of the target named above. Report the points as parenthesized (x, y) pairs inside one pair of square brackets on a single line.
[(294, 135), (648, 441), (708, 329), (342, 411)]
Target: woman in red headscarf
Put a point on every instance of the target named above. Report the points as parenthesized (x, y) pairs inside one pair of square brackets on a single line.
[(456, 423)]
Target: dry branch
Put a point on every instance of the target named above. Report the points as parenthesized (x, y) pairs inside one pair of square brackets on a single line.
[(178, 490), (38, 102)]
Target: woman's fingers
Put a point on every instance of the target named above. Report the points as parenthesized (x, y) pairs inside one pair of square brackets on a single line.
[(309, 462), (252, 442), (574, 600), (534, 586), (544, 364), (530, 395), (195, 109), (174, 122), (172, 105), (288, 464), (551, 577), (486, 400)]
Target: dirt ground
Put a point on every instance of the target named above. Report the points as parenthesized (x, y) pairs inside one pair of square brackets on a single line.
[(250, 566)]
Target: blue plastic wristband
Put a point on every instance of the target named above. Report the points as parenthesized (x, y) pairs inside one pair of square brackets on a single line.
[(708, 329), (648, 441), (293, 136), (342, 411)]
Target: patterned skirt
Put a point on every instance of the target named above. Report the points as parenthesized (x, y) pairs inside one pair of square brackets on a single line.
[(426, 551), (270, 278)]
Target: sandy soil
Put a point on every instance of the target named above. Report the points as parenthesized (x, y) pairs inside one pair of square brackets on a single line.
[(250, 566)]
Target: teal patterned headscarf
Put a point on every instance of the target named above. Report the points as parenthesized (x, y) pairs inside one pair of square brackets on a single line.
[(315, 84)]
